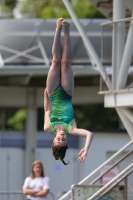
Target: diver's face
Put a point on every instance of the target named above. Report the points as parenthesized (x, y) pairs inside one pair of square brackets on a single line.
[(60, 139)]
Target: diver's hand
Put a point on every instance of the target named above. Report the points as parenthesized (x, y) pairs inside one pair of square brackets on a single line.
[(82, 154)]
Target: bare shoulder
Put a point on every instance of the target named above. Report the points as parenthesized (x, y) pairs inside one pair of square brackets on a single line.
[(74, 124), (72, 127)]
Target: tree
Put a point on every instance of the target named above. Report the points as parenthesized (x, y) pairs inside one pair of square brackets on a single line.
[(96, 117), (17, 120), (7, 7), (56, 9)]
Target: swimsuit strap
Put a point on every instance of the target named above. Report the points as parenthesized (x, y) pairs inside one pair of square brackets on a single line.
[(51, 125), (67, 126)]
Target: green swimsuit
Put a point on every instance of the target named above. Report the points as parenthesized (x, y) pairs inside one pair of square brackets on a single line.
[(61, 109)]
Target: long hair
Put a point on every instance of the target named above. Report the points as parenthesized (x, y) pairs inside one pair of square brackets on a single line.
[(59, 152), (32, 174)]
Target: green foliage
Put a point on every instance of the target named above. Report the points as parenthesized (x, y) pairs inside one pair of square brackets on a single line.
[(17, 121), (84, 9), (10, 4), (7, 7), (56, 9), (40, 116), (32, 8), (96, 117)]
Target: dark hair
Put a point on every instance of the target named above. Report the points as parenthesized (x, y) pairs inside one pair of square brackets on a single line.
[(59, 152)]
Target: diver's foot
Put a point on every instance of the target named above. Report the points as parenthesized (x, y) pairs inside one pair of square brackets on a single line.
[(59, 24), (66, 26)]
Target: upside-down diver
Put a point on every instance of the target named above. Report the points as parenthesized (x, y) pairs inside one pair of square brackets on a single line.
[(59, 114)]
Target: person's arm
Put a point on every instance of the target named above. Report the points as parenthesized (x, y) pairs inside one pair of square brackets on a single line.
[(42, 193), (45, 189), (46, 101), (28, 191), (46, 110), (82, 132)]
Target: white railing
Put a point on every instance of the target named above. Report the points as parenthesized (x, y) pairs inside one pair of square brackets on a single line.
[(113, 182), (96, 170)]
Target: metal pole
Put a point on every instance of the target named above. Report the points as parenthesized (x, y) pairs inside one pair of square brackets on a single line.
[(127, 123), (117, 21), (43, 52), (31, 129), (126, 60), (118, 39), (125, 188), (88, 44), (114, 57), (128, 113)]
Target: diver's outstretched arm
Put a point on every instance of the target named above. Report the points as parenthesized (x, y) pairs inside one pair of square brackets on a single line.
[(82, 132)]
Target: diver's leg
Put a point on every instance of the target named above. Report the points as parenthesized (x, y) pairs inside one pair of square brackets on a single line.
[(67, 79), (54, 74)]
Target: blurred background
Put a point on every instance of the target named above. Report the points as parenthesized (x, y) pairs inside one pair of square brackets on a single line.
[(27, 32)]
